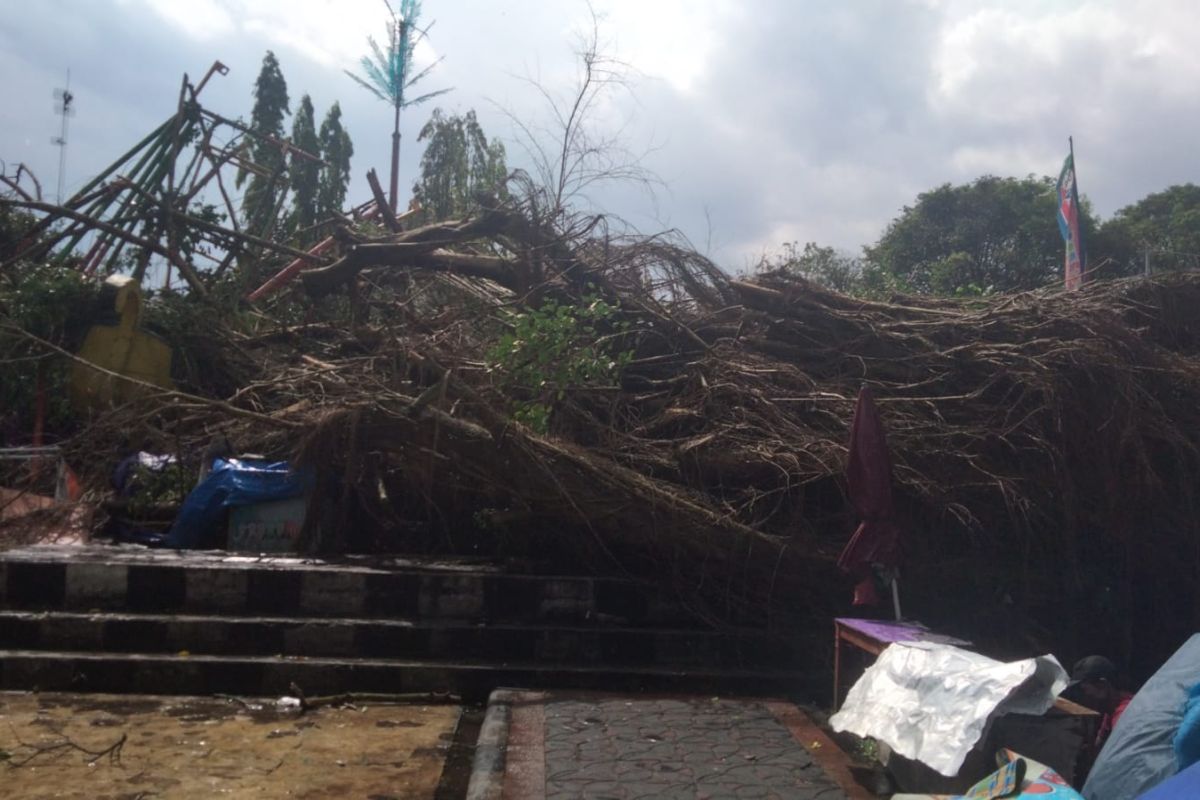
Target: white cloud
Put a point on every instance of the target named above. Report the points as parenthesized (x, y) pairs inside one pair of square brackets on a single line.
[(776, 120), (675, 40), (1009, 64), (999, 159), (203, 20), (329, 32)]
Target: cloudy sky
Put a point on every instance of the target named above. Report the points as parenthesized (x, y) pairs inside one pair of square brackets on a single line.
[(767, 121)]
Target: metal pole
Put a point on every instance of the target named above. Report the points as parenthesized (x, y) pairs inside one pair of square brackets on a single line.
[(1079, 248), (399, 101), (62, 139), (395, 185), (896, 595)]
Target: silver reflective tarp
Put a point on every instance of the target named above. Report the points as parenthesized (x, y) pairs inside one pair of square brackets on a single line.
[(932, 702)]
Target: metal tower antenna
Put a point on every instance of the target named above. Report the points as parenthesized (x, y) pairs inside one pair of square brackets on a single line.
[(64, 105)]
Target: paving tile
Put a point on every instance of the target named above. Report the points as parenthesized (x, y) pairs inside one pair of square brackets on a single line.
[(670, 748)]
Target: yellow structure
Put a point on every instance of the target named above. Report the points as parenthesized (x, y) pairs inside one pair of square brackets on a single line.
[(123, 349)]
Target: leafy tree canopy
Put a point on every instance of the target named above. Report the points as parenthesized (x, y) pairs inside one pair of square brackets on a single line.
[(823, 265), (458, 162), (994, 234), (1165, 224), (336, 150), (836, 270), (270, 107), (305, 173), (14, 227)]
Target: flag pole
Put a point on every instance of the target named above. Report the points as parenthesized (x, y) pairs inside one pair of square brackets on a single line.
[(1080, 250), (1067, 245)]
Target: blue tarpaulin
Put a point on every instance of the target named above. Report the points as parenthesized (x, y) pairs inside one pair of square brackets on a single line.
[(1187, 738), (1184, 786), (1139, 754), (232, 482)]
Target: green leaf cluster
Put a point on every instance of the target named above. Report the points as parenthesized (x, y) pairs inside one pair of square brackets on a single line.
[(156, 487), (54, 302), (554, 348)]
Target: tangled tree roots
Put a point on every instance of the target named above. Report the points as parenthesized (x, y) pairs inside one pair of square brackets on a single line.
[(1047, 446)]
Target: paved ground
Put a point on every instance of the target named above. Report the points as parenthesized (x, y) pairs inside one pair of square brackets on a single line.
[(203, 747), (605, 746)]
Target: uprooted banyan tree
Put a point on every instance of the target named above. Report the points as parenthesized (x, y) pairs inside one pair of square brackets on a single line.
[(499, 384)]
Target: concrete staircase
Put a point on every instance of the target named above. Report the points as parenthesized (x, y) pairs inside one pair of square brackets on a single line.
[(126, 619)]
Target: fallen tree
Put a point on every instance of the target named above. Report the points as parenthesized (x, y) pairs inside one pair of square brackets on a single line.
[(658, 418)]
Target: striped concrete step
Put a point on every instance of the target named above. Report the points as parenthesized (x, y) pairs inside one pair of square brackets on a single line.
[(617, 647), (136, 579), (150, 673)]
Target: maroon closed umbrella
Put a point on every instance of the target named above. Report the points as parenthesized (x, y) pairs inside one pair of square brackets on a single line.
[(876, 543)]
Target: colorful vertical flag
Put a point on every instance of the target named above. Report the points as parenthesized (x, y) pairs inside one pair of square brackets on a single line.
[(1068, 224)]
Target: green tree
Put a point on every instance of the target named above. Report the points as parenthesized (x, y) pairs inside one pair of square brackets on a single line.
[(14, 229), (306, 174), (554, 348), (336, 150), (1165, 225), (994, 234), (823, 265), (388, 74), (270, 107), (458, 162), (55, 302), (839, 271)]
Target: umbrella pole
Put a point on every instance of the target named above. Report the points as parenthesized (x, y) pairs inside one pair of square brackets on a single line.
[(896, 595)]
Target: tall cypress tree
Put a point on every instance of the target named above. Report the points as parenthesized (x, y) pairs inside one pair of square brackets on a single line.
[(270, 107), (458, 162), (336, 150), (306, 174)]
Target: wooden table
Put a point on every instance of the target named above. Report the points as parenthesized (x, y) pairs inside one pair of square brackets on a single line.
[(872, 636)]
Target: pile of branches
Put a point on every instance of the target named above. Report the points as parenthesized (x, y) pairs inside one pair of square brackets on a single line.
[(1046, 445)]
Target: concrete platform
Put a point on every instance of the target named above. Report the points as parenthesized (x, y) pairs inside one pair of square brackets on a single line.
[(132, 578), (185, 673), (334, 637), (129, 619), (558, 745)]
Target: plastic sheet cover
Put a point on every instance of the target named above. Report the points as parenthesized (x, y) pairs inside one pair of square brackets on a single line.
[(232, 482), (932, 702), (1139, 754)]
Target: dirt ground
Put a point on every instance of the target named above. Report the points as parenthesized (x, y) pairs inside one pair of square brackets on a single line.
[(134, 747)]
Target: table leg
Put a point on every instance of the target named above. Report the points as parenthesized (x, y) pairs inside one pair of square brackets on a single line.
[(837, 666)]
